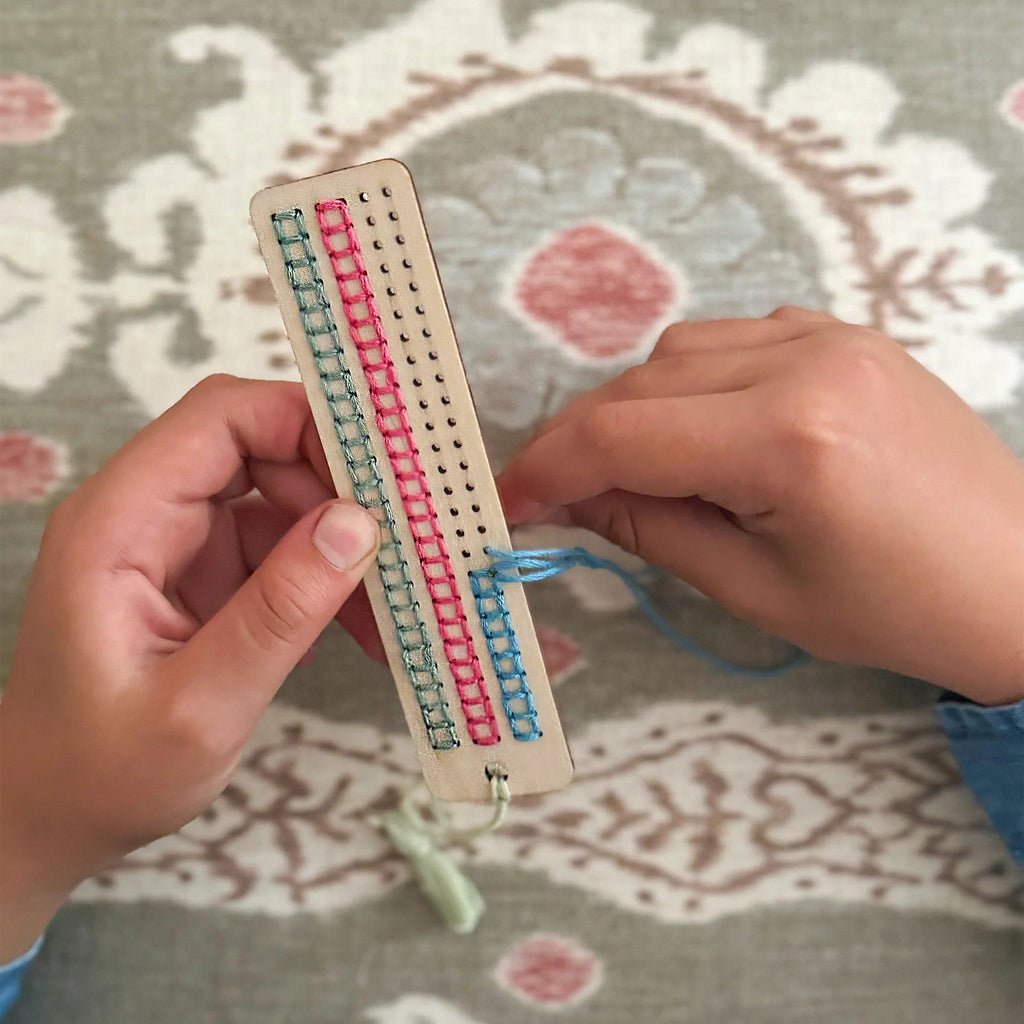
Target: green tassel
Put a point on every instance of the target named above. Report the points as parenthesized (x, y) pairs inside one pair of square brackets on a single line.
[(421, 843)]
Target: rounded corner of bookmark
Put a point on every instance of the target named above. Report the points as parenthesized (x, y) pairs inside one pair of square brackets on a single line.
[(259, 205), (398, 169), (351, 264)]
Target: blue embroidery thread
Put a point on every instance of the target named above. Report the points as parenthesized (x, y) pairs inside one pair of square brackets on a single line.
[(506, 656), (527, 566)]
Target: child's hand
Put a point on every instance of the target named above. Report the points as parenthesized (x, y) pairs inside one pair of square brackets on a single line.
[(164, 612), (813, 478)]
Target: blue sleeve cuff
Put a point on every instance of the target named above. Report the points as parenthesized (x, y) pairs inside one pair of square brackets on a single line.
[(988, 744), (11, 976)]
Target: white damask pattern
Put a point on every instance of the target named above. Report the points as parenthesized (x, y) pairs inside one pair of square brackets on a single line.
[(418, 1009), (43, 301), (888, 211)]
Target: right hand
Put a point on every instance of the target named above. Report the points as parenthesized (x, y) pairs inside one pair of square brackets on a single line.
[(816, 480)]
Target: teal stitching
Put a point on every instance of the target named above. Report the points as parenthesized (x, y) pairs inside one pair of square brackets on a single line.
[(322, 335), (496, 623)]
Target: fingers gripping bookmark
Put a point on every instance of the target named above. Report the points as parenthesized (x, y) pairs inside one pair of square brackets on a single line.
[(352, 269)]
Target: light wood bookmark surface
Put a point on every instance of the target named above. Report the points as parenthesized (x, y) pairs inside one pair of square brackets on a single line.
[(359, 291)]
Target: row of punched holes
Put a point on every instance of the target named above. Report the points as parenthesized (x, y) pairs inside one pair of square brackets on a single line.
[(417, 382)]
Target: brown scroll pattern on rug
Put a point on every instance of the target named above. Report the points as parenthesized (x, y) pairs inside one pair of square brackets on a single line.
[(686, 812)]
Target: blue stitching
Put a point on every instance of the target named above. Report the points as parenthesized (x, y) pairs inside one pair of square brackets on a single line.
[(528, 566), (336, 381), (496, 623)]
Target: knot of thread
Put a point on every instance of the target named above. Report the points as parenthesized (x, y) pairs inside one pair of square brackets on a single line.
[(540, 564), (421, 842)]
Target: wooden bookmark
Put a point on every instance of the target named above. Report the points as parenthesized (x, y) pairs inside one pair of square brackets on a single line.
[(362, 302)]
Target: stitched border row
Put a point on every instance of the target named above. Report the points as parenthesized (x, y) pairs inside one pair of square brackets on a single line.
[(496, 623), (367, 333), (336, 380)]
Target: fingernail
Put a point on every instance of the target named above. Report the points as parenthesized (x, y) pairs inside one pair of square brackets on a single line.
[(521, 511), (345, 535)]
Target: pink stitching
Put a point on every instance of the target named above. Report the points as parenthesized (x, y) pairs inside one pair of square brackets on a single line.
[(367, 334)]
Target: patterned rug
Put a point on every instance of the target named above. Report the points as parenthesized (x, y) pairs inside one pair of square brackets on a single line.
[(800, 850)]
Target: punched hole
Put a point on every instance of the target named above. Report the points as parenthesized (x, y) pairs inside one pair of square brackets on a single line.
[(386, 191), (465, 554), (432, 355), (371, 221), (429, 426), (445, 400), (364, 197), (398, 314), (400, 239), (435, 448), (451, 421), (460, 533), (470, 487), (463, 465), (442, 469), (384, 269), (426, 332), (407, 264), (454, 512), (413, 286), (481, 529), (391, 291), (420, 310), (404, 337), (458, 444), (378, 244), (416, 382), (476, 508), (424, 405), (439, 377), (411, 360), (447, 490)]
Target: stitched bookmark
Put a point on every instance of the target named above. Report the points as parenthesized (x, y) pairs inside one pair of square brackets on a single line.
[(353, 272)]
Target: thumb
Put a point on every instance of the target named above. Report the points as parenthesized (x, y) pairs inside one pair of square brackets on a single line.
[(254, 641)]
